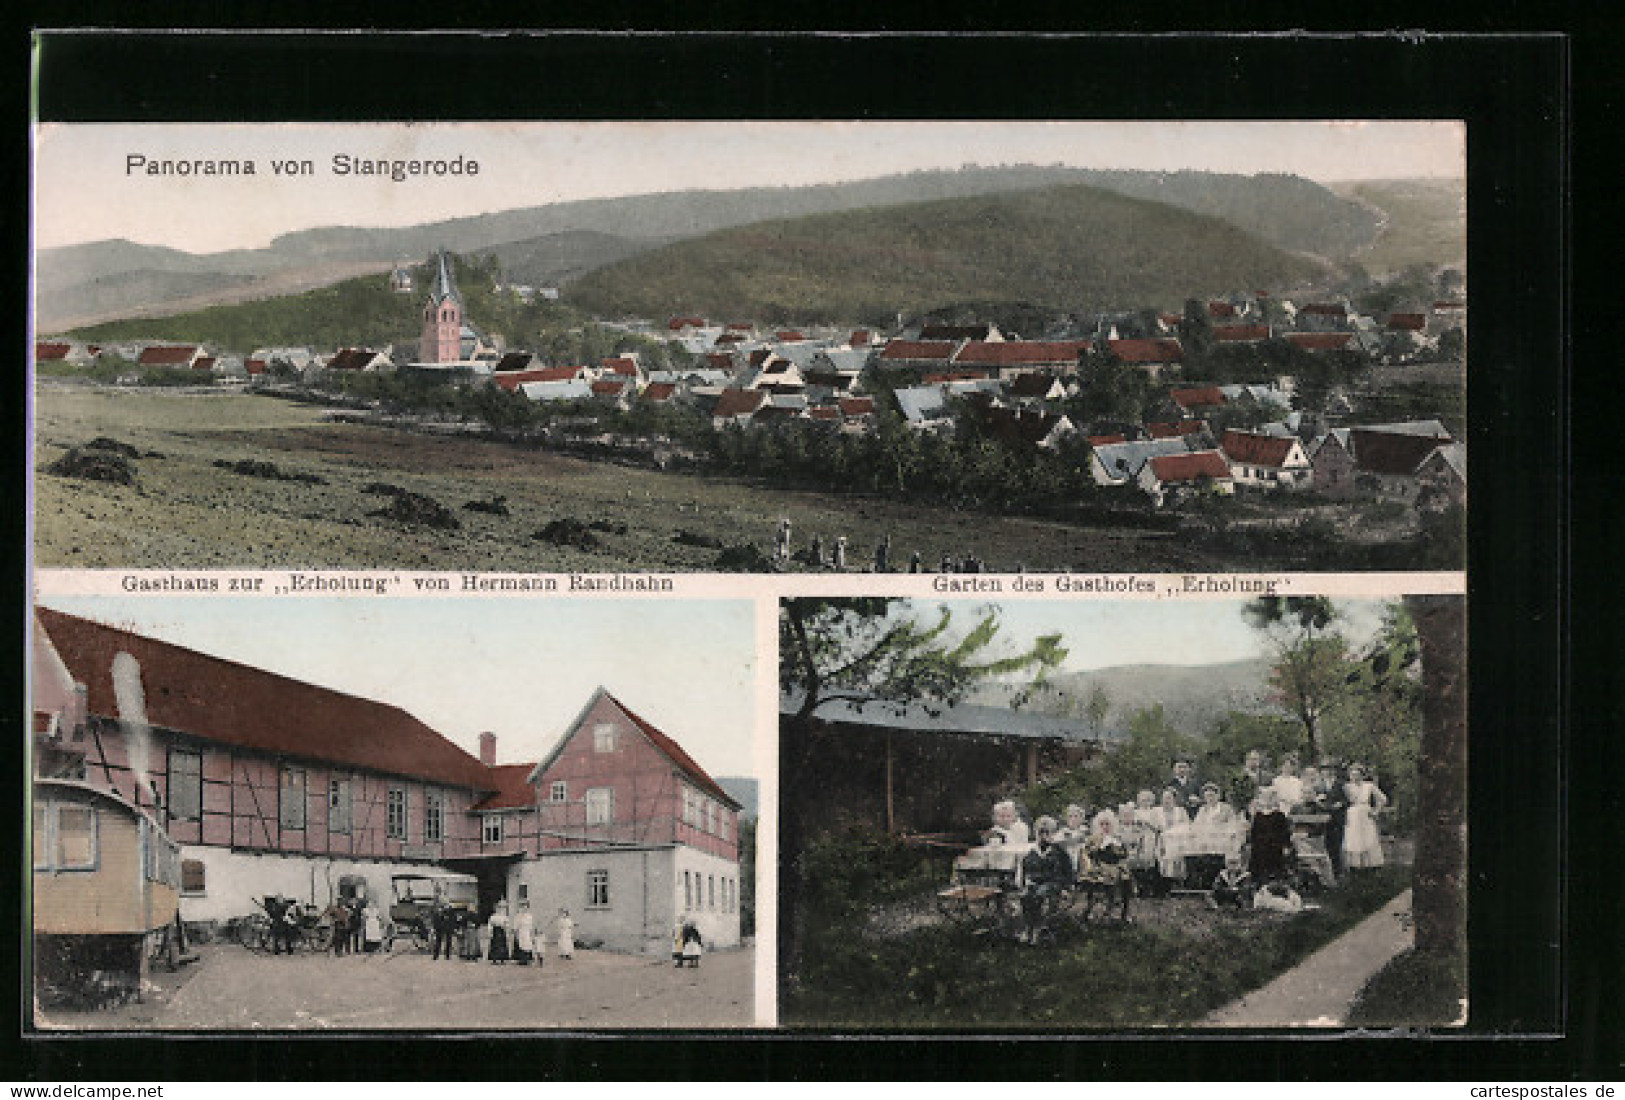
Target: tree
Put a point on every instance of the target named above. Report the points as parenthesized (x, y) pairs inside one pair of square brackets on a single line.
[(1440, 876), (1309, 656)]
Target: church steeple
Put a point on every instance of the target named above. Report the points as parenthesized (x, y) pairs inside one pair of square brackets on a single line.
[(442, 318)]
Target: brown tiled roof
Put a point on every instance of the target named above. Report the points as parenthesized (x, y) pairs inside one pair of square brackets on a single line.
[(255, 366), (918, 349), (512, 380), (623, 365), (1168, 429), (243, 707), (1407, 322), (789, 336), (719, 360), (1022, 352), (679, 757), (859, 337), (659, 391), (351, 359), (44, 353), (685, 322), (1106, 440), (728, 338), (1319, 341), (824, 412), (1020, 425), (1229, 334), (1256, 449), (856, 406), (513, 791), (205, 362), (1035, 384), (1190, 467), (1389, 452), (610, 387), (1197, 397), (734, 402), (512, 361), (1160, 349), (167, 355), (1220, 309), (938, 378)]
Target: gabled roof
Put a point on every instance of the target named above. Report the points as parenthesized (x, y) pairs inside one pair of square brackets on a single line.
[(1197, 397), (511, 380), (733, 403), (1159, 349), (856, 406), (1257, 449), (352, 359), (1173, 429), (1026, 426), (1195, 466), (164, 355), (677, 323), (1451, 455), (1125, 460), (232, 704), (46, 352), (659, 391), (918, 349), (921, 402), (1407, 322), (720, 360), (1325, 309), (623, 365), (513, 789), (610, 387), (1033, 384), (1020, 352), (1232, 334), (685, 763), (1389, 452), (789, 335), (1220, 309)]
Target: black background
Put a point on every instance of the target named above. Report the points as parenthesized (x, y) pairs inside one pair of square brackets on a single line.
[(1544, 918)]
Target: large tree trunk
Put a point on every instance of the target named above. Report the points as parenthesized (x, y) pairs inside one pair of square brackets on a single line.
[(1440, 874)]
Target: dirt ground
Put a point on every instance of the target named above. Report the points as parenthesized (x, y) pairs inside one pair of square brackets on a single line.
[(184, 511), (231, 988)]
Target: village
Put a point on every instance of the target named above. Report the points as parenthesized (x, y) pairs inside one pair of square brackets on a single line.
[(1244, 395)]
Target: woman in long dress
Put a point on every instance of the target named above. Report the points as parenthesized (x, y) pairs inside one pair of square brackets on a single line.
[(498, 951), (567, 935), (1175, 834), (1362, 845), (470, 924), (524, 935)]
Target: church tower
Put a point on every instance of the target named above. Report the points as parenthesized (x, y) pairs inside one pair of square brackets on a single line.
[(442, 319)]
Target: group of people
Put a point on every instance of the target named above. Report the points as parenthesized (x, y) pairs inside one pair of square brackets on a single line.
[(501, 939), (358, 927), (1245, 843)]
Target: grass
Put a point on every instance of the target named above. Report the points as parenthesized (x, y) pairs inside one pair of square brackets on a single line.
[(1416, 989), (1158, 972)]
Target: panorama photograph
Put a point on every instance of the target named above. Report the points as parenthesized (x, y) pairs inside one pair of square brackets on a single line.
[(435, 815), (1050, 816), (767, 347)]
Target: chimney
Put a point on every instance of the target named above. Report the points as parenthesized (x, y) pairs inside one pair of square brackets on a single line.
[(488, 749)]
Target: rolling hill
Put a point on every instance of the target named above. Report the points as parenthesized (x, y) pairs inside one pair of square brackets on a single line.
[(103, 280), (1073, 247)]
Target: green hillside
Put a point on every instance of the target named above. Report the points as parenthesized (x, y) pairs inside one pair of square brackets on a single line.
[(1077, 248)]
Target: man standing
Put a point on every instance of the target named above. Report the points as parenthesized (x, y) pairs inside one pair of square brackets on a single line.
[(440, 926), (1186, 786)]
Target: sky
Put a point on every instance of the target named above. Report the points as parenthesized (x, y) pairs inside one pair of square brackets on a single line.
[(1105, 633), (520, 669), (85, 190)]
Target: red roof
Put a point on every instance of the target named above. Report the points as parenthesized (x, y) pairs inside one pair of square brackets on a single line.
[(622, 365), (513, 790), (720, 360), (1220, 309), (167, 355), (859, 337), (1021, 352), (1197, 397), (1235, 333), (679, 757), (738, 402), (1160, 349), (685, 322), (48, 352), (1170, 429), (255, 366), (610, 387), (918, 349), (789, 336), (937, 378), (1319, 341), (1033, 384), (351, 359), (1170, 318), (856, 406), (233, 704), (1256, 449), (1407, 322), (512, 380), (824, 412), (205, 362), (1193, 466), (659, 391), (727, 338), (1106, 440)]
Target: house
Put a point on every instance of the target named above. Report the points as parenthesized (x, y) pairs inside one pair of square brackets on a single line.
[(956, 333), (1272, 461), (1027, 427), (617, 392), (65, 351), (621, 366), (629, 822), (1375, 458), (360, 359), (1035, 387), (918, 354), (183, 356), (400, 279), (659, 393), (1407, 322), (680, 324), (1322, 317), (1442, 478), (574, 389), (1153, 355), (1167, 478), (1174, 429), (513, 380), (1240, 334), (1121, 463), (1009, 357), (924, 407), (736, 406), (271, 785), (1193, 401)]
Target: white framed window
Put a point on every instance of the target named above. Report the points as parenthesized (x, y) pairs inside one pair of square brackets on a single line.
[(688, 891), (491, 832), (65, 837), (291, 801), (559, 792), (338, 806), (711, 891), (604, 737), (185, 785), (600, 805), (434, 817), (395, 814), (598, 889), (722, 824)]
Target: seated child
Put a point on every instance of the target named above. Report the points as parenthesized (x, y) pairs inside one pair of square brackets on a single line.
[(1046, 871), (1233, 887), (1008, 828)]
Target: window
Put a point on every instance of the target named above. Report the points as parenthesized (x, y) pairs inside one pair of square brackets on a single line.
[(185, 785), (688, 891), (559, 792), (600, 806), (338, 806), (706, 818), (711, 891), (395, 814), (524, 893), (492, 831), (722, 824), (64, 837), (434, 817), (291, 809), (192, 876), (603, 737), (597, 889)]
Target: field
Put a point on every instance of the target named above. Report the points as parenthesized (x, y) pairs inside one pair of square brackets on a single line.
[(1424, 222), (184, 511)]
